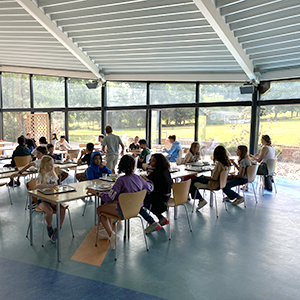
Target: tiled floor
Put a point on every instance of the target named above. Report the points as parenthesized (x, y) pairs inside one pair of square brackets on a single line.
[(251, 253)]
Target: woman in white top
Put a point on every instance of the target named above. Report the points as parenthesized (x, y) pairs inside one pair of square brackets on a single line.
[(267, 152)]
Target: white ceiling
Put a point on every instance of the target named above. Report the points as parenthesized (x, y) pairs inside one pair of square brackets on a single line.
[(195, 40)]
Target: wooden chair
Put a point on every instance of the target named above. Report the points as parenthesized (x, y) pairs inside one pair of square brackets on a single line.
[(82, 145), (31, 185), (3, 184), (180, 196), (271, 164), (251, 174), (22, 161), (73, 155), (130, 204), (223, 181)]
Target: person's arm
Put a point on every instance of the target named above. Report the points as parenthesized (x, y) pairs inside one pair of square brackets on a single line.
[(262, 154), (40, 185), (104, 169), (23, 169), (187, 158), (234, 163), (123, 148), (173, 149), (239, 175)]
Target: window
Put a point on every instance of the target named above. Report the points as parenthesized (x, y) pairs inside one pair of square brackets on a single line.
[(171, 93), (16, 92), (127, 124), (282, 90), (220, 92), (14, 125), (48, 91), (81, 96), (229, 126), (84, 126), (58, 123), (126, 93)]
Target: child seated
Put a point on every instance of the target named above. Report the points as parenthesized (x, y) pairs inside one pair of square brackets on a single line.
[(96, 169), (143, 155)]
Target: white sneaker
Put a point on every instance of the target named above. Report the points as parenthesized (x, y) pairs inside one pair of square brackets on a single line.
[(201, 204), (238, 200), (102, 234), (113, 240)]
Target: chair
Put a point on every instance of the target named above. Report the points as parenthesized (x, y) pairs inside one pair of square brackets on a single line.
[(180, 196), (3, 184), (31, 185), (82, 145), (223, 181), (73, 155), (251, 174), (130, 204), (271, 164), (22, 161), (178, 160)]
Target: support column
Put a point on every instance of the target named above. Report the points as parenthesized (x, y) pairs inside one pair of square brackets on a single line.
[(254, 122)]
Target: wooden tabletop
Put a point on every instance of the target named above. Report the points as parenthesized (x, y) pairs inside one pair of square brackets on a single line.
[(69, 196)]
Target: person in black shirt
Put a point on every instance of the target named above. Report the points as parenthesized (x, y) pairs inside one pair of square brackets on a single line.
[(157, 200), (85, 158)]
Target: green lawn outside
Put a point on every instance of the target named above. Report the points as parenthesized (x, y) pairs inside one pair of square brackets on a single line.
[(285, 132)]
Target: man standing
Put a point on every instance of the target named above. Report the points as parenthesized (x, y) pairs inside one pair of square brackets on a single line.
[(112, 142)]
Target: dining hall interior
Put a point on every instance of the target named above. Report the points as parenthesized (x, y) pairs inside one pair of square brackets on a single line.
[(218, 72)]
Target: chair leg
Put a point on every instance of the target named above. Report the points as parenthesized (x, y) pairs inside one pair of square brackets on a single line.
[(225, 204), (216, 205), (71, 225), (244, 198), (194, 200), (147, 248), (169, 225), (254, 192), (274, 185), (187, 215), (9, 194)]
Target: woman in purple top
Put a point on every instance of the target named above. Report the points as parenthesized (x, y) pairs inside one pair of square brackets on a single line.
[(129, 183)]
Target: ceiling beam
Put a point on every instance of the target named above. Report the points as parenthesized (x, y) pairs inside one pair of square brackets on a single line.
[(56, 32), (212, 15)]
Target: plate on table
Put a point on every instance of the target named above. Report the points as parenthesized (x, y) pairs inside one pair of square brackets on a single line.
[(101, 187), (195, 169)]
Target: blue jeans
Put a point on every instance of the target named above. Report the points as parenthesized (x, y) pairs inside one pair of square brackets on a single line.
[(231, 183), (193, 189)]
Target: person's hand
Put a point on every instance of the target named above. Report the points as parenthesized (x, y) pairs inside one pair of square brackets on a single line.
[(91, 191), (101, 165), (232, 160), (149, 171), (83, 152), (140, 159)]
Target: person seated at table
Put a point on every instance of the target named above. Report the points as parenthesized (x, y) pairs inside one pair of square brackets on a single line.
[(157, 200), (173, 152), (85, 157), (143, 155), (240, 178), (267, 152), (222, 162), (47, 178), (54, 138), (42, 142), (99, 142), (194, 153), (40, 152), (30, 140), (21, 150), (96, 168), (134, 147), (29, 144), (62, 174), (62, 144), (129, 183)]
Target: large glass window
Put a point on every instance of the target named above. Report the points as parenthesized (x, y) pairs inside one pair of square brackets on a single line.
[(174, 121), (127, 124), (16, 92), (229, 126), (14, 125), (172, 93), (84, 126), (220, 92), (126, 93), (81, 96), (58, 123), (48, 91), (282, 90)]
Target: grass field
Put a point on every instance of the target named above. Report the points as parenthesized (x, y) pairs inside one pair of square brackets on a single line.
[(286, 132)]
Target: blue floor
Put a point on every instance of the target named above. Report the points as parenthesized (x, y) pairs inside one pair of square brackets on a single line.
[(251, 253)]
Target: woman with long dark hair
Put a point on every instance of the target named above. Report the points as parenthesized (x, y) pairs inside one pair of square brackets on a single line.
[(241, 177), (222, 162)]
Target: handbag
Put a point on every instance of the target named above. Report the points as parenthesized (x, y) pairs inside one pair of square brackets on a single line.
[(262, 169)]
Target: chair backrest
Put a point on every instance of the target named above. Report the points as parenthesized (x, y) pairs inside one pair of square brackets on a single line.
[(178, 161), (181, 191), (22, 161), (73, 155), (223, 178), (180, 153), (131, 203), (82, 145), (148, 158), (31, 185), (251, 172), (271, 164), (57, 169)]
